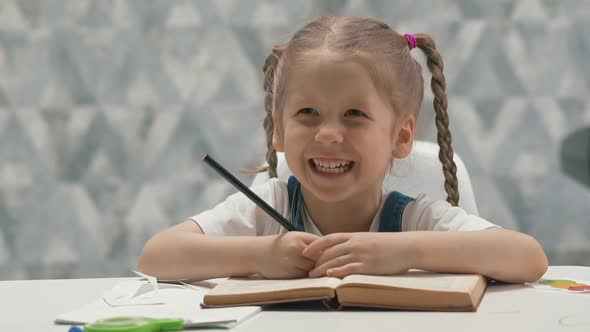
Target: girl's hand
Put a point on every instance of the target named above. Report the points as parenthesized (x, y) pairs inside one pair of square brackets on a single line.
[(341, 254), (281, 256)]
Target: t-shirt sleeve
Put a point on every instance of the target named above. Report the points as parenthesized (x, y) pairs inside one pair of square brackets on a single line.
[(425, 214), (237, 215)]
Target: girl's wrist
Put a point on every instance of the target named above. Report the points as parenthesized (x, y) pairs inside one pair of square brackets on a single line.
[(261, 248), (413, 251)]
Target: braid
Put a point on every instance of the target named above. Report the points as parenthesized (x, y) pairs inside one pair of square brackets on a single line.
[(438, 85), (269, 67), (269, 73)]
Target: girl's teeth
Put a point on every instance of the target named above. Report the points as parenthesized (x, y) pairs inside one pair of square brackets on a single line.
[(331, 164), (331, 167)]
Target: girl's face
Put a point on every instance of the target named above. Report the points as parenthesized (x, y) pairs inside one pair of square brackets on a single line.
[(337, 133)]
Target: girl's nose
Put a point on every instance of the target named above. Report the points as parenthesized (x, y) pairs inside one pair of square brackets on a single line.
[(329, 133)]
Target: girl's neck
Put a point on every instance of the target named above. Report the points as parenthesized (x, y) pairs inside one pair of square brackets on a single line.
[(352, 215)]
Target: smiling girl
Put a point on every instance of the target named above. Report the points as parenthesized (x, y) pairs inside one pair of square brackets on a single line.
[(342, 98)]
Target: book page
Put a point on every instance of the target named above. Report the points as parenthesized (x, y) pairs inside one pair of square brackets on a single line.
[(251, 285), (416, 279)]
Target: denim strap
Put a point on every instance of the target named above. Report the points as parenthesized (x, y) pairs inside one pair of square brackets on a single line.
[(393, 210), (296, 203)]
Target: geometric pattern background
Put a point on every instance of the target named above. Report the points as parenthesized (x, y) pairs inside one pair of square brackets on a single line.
[(106, 108)]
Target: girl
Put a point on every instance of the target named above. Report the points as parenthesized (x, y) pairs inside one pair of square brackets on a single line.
[(342, 97)]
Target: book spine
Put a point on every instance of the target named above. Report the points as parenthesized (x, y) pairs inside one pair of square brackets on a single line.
[(333, 303)]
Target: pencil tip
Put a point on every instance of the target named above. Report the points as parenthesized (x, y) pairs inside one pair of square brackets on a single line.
[(205, 156)]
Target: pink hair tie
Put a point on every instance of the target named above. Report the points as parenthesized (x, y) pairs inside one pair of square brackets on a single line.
[(411, 40)]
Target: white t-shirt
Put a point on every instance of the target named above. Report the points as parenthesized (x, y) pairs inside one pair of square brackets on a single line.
[(238, 215)]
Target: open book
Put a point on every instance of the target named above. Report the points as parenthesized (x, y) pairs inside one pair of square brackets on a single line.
[(415, 290)]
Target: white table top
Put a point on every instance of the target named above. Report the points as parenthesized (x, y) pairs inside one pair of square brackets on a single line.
[(32, 305)]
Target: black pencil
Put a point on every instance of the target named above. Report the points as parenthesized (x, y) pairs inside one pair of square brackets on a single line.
[(246, 191)]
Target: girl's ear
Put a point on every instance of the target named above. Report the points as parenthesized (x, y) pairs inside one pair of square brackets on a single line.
[(277, 137), (405, 137)]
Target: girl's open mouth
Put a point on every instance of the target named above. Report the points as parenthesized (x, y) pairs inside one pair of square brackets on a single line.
[(325, 166)]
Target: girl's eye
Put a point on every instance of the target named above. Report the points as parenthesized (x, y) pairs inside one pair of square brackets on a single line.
[(354, 112), (307, 111)]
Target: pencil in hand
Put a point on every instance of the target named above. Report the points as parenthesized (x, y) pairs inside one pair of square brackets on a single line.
[(249, 193)]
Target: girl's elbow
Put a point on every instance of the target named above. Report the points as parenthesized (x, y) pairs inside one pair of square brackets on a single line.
[(539, 261), (147, 259), (541, 266), (530, 264)]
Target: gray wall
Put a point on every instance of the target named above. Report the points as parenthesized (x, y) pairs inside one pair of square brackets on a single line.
[(106, 108)]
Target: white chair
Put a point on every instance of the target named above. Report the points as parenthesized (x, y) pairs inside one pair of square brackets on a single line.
[(420, 172)]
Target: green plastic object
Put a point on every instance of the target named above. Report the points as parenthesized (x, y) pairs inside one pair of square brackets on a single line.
[(134, 324)]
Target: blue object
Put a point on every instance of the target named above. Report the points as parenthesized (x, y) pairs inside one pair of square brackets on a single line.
[(76, 329)]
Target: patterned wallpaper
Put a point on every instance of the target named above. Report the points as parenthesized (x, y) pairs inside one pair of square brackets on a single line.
[(106, 108)]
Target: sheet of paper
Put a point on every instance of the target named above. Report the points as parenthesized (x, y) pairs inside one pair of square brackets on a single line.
[(171, 301), (128, 292), (134, 292), (566, 285)]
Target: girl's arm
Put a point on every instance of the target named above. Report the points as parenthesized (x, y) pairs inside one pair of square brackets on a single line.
[(497, 253), (184, 252)]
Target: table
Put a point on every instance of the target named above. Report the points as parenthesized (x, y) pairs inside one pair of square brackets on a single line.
[(32, 305)]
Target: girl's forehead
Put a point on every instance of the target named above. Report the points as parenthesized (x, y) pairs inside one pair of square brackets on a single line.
[(322, 63), (323, 72)]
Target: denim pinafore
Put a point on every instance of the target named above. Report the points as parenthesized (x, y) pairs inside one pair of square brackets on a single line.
[(391, 216)]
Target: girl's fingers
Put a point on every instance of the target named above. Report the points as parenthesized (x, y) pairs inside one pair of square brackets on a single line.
[(321, 270), (305, 264), (343, 271), (302, 273), (332, 252), (317, 247), (308, 238)]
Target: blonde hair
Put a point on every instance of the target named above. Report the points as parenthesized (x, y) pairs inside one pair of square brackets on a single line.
[(371, 39)]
